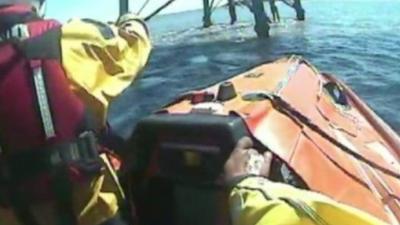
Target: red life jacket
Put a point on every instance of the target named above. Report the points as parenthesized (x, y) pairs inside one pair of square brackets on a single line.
[(37, 107), (20, 119)]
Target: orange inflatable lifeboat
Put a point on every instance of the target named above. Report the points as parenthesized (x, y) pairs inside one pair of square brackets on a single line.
[(326, 138)]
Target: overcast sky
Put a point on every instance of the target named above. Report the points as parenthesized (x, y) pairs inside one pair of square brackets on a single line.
[(107, 10)]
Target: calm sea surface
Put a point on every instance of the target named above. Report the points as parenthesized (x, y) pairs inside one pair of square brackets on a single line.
[(357, 40)]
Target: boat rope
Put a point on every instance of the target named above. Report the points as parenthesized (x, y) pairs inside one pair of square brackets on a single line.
[(143, 7), (285, 108), (159, 9)]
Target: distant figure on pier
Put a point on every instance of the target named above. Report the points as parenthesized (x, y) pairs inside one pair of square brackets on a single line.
[(274, 11)]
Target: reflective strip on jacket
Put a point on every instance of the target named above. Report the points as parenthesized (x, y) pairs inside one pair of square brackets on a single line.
[(257, 201)]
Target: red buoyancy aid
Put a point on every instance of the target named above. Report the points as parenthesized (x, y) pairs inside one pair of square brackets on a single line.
[(37, 107), (20, 122)]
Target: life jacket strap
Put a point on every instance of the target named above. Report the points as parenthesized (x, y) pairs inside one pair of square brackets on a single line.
[(34, 162), (54, 160), (18, 33)]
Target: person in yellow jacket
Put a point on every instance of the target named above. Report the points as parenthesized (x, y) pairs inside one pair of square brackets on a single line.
[(57, 84), (255, 200)]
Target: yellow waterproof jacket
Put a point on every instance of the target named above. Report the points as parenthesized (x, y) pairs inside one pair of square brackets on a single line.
[(100, 62), (257, 201)]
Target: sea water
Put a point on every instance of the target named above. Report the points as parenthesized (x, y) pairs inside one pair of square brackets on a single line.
[(358, 40)]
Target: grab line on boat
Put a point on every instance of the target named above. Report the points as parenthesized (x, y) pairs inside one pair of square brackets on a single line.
[(285, 108)]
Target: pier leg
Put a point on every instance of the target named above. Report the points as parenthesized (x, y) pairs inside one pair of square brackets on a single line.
[(123, 7), (207, 14), (261, 19), (274, 11), (232, 11), (300, 12)]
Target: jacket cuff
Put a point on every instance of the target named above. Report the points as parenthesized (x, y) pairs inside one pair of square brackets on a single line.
[(234, 181), (139, 21)]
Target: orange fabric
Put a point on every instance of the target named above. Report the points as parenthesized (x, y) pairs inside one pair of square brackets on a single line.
[(322, 165)]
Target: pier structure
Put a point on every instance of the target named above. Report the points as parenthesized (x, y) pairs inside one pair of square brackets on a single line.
[(123, 6), (232, 11), (207, 11), (261, 18), (296, 5)]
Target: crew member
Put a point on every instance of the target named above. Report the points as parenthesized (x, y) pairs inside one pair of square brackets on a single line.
[(254, 200), (56, 84)]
